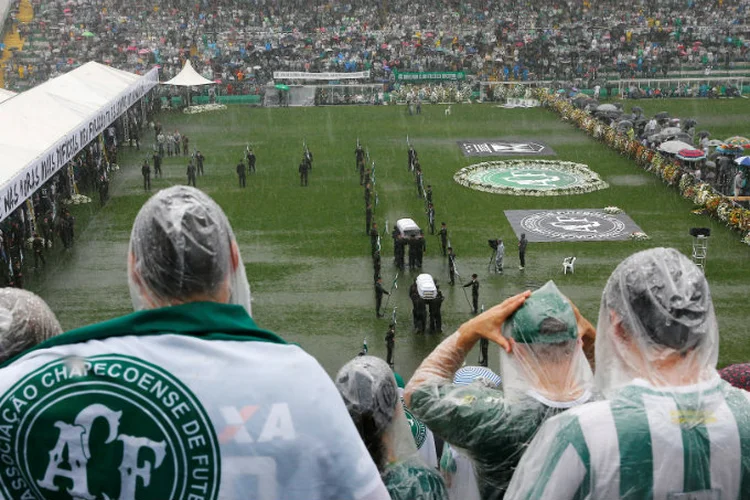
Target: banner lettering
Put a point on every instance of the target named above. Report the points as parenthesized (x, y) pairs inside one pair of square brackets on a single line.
[(301, 75), (444, 76)]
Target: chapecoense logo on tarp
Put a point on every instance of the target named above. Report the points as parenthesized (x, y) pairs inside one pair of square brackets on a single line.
[(107, 427)]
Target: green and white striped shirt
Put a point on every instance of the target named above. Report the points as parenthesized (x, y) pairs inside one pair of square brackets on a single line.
[(677, 443)]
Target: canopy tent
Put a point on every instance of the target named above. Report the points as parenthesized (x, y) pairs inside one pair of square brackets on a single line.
[(188, 77), (43, 128), (6, 94), (5, 6)]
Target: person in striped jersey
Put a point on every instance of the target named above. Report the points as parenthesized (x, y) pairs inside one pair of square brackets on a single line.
[(543, 369), (670, 428)]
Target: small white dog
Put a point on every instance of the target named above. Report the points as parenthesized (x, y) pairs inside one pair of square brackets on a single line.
[(448, 111)]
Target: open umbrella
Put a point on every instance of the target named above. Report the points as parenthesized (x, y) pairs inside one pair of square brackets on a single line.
[(144, 51), (704, 133), (743, 161), (87, 34), (281, 86), (691, 154), (737, 140), (663, 115), (607, 108), (728, 149), (673, 147), (689, 123), (714, 143), (624, 125), (666, 132)]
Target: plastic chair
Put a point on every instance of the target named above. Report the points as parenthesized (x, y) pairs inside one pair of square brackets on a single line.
[(569, 264)]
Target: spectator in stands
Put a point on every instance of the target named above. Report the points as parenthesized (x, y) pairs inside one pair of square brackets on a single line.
[(544, 372), (25, 321), (456, 467), (370, 393), (670, 427), (285, 435)]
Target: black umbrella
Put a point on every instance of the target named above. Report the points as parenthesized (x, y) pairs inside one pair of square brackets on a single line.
[(704, 133), (625, 125), (689, 123), (663, 115)]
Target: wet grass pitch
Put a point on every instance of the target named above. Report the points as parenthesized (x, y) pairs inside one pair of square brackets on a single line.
[(305, 249)]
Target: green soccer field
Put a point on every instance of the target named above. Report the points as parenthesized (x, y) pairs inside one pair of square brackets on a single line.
[(305, 249)]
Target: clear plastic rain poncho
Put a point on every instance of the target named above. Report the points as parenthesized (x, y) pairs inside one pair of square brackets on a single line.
[(669, 427), (547, 362), (25, 321), (370, 393), (182, 249), (656, 306), (546, 374)]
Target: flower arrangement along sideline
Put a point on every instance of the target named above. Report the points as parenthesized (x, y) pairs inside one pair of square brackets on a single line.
[(202, 108), (530, 178), (77, 199), (702, 194)]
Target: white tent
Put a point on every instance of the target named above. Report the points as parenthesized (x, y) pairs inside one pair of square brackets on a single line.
[(6, 94), (188, 77), (45, 127)]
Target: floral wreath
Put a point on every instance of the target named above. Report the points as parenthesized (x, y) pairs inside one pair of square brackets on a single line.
[(588, 180)]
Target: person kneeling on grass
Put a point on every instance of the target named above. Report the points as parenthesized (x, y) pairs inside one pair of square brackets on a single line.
[(543, 369), (370, 393), (186, 394)]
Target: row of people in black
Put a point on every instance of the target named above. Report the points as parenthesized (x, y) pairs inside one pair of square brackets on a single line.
[(417, 246), (194, 168), (371, 228)]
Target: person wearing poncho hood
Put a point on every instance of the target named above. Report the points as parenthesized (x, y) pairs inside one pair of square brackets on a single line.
[(543, 369), (669, 427), (370, 392), (185, 398)]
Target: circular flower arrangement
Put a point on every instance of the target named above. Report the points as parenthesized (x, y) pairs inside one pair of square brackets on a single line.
[(530, 178)]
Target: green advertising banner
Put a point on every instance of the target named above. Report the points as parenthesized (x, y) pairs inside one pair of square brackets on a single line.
[(448, 76)]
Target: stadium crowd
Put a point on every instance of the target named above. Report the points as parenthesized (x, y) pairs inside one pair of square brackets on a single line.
[(241, 45), (631, 408)]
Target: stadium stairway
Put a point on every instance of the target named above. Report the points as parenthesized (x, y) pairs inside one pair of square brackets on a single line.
[(25, 12), (12, 38)]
